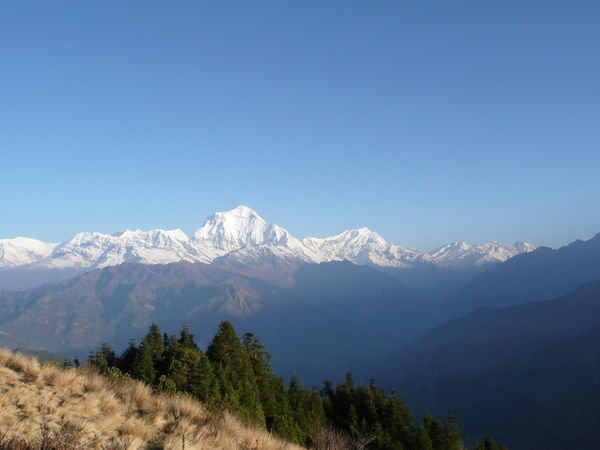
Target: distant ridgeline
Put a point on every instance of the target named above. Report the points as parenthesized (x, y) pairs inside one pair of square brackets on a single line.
[(236, 374)]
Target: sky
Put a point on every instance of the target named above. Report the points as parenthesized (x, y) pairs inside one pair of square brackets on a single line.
[(428, 122)]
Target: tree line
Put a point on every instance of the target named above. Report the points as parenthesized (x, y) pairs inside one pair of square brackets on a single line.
[(236, 373)]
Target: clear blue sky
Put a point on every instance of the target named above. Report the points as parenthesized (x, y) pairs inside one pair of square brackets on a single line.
[(427, 121)]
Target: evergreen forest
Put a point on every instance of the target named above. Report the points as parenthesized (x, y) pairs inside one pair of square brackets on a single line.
[(235, 374)]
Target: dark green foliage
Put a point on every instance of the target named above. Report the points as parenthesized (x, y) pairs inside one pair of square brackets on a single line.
[(306, 407), (103, 358), (149, 357), (203, 383), (127, 359), (237, 374), (488, 444), (271, 388), (443, 435)]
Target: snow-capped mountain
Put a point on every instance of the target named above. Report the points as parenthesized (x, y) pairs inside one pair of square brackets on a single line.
[(21, 251), (237, 228), (363, 246), (242, 236), (95, 250), (462, 254)]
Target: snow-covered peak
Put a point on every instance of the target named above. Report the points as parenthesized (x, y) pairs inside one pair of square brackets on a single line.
[(144, 235), (238, 228), (92, 250), (524, 247), (349, 241), (463, 254), (360, 236), (362, 246), (21, 251), (178, 234)]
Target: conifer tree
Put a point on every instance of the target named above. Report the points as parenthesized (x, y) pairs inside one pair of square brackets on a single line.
[(233, 367), (103, 358), (203, 382), (451, 434), (186, 338), (268, 383), (126, 360), (181, 358), (423, 441), (488, 444), (306, 407), (149, 357)]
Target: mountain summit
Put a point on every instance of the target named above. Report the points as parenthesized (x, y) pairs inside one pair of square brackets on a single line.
[(363, 246), (463, 254), (238, 228)]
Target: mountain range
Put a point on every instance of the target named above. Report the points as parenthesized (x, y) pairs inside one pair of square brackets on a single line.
[(539, 275), (239, 235)]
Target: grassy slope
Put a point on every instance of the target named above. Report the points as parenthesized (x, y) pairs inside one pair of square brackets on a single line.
[(94, 412)]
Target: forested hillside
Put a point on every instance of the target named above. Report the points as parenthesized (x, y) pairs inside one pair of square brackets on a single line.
[(236, 373)]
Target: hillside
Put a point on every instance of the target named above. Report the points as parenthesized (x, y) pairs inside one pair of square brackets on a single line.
[(542, 274), (77, 408), (528, 373), (352, 310)]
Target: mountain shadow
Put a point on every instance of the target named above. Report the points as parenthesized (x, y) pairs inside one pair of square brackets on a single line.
[(539, 275), (317, 325), (527, 374)]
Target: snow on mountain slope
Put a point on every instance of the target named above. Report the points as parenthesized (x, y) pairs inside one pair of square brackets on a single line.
[(244, 236), (94, 250), (240, 235), (20, 251), (462, 254), (363, 246), (237, 228)]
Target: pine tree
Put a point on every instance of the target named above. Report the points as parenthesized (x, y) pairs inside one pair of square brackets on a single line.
[(180, 359), (342, 401), (103, 358), (451, 434), (126, 360), (306, 407), (396, 420), (227, 354), (186, 338), (488, 444), (267, 382), (203, 382), (423, 441), (150, 356)]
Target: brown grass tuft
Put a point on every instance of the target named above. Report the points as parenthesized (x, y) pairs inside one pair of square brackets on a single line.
[(19, 363), (327, 438), (44, 407)]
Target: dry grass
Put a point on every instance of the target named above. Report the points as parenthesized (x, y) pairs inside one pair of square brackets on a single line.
[(76, 408), (327, 438)]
